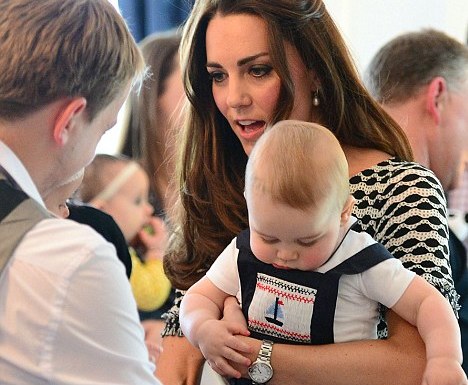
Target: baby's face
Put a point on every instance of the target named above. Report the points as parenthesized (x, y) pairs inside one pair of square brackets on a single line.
[(290, 238), (129, 206)]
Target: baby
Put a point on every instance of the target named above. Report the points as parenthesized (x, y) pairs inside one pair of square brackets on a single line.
[(302, 274), (119, 186)]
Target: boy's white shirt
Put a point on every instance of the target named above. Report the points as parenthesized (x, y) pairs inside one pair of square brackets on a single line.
[(354, 320)]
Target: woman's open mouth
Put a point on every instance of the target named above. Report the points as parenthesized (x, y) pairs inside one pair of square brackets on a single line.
[(251, 129)]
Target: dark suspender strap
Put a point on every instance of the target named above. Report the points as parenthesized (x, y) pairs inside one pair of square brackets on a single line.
[(323, 318), (10, 198), (324, 310), (363, 260), (18, 214)]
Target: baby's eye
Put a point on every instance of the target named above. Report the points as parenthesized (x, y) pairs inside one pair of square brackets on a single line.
[(217, 76), (260, 71), (306, 244), (138, 201), (269, 241)]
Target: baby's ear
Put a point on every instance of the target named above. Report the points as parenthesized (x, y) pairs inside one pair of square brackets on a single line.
[(98, 203), (347, 210)]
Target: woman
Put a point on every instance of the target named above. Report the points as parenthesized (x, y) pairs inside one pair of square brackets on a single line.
[(246, 65), (154, 114), (154, 120)]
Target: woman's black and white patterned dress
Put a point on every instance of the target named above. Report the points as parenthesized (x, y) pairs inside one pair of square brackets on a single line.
[(401, 205)]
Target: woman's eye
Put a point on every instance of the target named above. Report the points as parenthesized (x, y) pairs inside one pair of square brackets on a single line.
[(260, 71), (216, 76)]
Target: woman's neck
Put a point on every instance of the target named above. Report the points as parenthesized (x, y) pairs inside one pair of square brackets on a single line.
[(360, 159)]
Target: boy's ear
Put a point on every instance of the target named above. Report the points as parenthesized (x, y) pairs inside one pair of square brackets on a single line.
[(347, 210), (67, 118)]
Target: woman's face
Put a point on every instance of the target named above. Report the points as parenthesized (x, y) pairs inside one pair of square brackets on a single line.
[(245, 85)]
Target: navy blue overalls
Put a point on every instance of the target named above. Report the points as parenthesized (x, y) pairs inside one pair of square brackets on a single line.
[(266, 291)]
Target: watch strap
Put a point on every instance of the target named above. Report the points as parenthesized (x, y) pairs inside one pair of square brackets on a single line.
[(265, 351)]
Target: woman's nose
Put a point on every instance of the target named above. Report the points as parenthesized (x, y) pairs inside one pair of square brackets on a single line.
[(238, 95)]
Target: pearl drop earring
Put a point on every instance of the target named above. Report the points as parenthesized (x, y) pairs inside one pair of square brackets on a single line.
[(315, 99)]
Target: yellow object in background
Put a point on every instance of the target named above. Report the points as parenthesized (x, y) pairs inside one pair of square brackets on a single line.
[(149, 284)]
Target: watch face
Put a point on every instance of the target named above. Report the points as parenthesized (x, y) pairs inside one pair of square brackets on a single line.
[(260, 372)]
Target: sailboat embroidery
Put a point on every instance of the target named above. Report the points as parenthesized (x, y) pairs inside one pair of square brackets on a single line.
[(274, 313), (281, 309)]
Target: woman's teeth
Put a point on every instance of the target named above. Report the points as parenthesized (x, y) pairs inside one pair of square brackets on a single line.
[(246, 122)]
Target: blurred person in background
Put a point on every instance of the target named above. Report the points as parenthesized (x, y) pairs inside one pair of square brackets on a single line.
[(153, 122), (421, 80)]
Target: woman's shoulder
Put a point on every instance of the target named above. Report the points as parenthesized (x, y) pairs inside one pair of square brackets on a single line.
[(396, 172), (394, 168)]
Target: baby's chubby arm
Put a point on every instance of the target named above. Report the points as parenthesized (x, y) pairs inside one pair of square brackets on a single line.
[(200, 313), (423, 306)]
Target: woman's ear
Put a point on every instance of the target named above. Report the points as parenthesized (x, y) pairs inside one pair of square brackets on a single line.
[(314, 80), (347, 210), (67, 118)]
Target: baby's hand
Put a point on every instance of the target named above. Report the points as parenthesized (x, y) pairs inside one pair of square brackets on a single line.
[(444, 371), (218, 343), (154, 237)]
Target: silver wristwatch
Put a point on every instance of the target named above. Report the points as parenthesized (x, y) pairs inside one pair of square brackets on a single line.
[(260, 371)]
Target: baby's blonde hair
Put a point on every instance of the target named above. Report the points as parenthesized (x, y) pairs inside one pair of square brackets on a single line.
[(300, 164)]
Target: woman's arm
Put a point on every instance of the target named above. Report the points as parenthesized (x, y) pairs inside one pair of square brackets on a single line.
[(180, 363), (399, 360)]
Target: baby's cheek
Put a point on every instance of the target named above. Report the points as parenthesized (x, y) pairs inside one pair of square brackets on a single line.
[(262, 252)]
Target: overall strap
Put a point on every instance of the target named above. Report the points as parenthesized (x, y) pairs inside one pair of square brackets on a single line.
[(363, 260), (18, 214), (358, 263)]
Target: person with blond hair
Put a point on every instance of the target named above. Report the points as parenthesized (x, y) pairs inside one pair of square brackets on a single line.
[(67, 313)]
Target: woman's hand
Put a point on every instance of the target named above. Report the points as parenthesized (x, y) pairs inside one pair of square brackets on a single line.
[(153, 339)]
